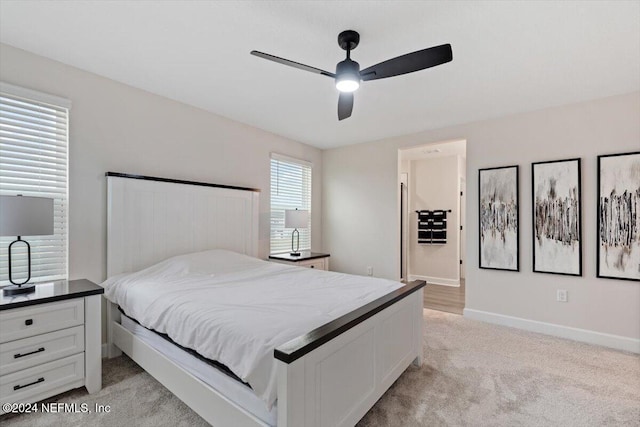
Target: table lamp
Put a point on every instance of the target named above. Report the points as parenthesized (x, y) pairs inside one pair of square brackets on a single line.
[(24, 216), (294, 218)]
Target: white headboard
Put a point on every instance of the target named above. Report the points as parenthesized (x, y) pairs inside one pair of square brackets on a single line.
[(151, 219)]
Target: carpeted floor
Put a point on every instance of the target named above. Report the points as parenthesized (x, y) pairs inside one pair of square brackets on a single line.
[(475, 374)]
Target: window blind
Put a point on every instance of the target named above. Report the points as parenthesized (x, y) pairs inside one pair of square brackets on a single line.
[(290, 189), (34, 162)]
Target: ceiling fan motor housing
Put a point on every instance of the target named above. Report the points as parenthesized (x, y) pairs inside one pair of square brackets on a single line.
[(348, 67)]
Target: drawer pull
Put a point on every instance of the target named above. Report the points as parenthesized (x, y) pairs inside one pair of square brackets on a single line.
[(312, 266), (18, 356), (18, 387), (28, 322)]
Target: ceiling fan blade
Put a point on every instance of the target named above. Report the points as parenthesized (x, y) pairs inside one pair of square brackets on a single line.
[(409, 63), (291, 63), (345, 105)]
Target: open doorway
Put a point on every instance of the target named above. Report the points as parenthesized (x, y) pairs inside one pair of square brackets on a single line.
[(432, 190)]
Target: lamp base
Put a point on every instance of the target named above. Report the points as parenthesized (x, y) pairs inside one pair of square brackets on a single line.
[(294, 253), (18, 289)]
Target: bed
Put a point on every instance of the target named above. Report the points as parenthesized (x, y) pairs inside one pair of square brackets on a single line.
[(327, 368)]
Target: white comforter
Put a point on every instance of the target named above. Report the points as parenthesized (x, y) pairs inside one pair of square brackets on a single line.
[(237, 309)]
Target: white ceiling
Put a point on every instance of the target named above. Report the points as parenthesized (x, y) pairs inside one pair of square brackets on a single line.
[(509, 57)]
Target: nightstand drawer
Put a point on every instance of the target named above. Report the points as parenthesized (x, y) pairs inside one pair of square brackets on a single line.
[(318, 264), (28, 384), (32, 351), (39, 319)]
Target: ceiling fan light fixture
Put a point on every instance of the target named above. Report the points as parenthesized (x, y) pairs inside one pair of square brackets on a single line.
[(347, 76), (347, 84)]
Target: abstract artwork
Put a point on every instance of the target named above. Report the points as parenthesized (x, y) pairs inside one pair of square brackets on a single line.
[(619, 216), (499, 218), (557, 217)]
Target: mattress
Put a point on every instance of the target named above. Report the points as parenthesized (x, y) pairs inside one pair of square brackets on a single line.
[(237, 309), (234, 390)]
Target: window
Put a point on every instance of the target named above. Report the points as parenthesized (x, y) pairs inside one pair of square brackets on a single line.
[(290, 189), (33, 162)]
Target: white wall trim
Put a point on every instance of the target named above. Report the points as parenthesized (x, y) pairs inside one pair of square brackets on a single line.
[(583, 335), (436, 280), (285, 158), (105, 350), (34, 95)]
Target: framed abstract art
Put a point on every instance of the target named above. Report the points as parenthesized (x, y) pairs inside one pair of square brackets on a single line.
[(619, 216), (499, 218), (557, 217)]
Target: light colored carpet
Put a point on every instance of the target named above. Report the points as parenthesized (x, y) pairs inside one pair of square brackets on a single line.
[(475, 374)]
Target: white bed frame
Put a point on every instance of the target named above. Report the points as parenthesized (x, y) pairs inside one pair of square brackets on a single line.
[(332, 384)]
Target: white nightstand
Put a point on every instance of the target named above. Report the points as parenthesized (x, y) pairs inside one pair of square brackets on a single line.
[(307, 259), (50, 341)]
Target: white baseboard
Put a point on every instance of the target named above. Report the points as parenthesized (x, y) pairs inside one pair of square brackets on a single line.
[(105, 350), (436, 280), (583, 335)]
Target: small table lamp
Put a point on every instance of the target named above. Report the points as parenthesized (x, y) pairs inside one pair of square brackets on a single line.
[(24, 216), (294, 218)]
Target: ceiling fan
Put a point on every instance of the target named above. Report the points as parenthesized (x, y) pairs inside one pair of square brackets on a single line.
[(348, 74)]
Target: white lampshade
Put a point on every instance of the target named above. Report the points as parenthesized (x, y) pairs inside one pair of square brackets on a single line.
[(294, 218), (26, 216)]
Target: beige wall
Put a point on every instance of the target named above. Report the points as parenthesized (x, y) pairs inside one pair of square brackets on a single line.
[(114, 127), (433, 184), (360, 219)]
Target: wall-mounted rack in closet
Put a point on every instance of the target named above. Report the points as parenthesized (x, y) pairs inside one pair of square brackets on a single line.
[(432, 226)]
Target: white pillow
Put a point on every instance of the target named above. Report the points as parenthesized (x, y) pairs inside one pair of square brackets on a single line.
[(212, 262)]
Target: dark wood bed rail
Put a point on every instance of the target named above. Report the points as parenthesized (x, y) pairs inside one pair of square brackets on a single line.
[(298, 347)]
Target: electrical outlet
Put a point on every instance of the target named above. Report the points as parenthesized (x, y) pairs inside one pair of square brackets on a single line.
[(563, 295), (369, 271)]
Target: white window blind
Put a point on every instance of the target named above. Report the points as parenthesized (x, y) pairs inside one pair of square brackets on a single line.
[(34, 162), (290, 189)]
